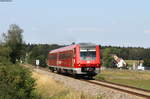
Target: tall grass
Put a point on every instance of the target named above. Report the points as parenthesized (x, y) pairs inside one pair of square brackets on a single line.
[(51, 89)]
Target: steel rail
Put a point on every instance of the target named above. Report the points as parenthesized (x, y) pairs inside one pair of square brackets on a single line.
[(124, 85), (120, 89)]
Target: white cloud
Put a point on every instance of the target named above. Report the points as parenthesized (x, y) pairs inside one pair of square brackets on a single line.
[(85, 29), (147, 31)]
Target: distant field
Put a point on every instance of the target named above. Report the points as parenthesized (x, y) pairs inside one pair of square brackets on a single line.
[(51, 89), (140, 79), (130, 62)]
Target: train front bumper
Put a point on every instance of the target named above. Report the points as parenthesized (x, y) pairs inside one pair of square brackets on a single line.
[(87, 70)]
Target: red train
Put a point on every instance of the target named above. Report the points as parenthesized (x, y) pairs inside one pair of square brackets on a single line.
[(79, 59)]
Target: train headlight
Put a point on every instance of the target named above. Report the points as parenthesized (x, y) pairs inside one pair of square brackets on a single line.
[(88, 62)]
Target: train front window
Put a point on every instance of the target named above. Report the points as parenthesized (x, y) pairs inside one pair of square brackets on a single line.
[(88, 55)]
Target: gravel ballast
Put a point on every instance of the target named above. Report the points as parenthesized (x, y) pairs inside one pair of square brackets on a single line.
[(88, 88)]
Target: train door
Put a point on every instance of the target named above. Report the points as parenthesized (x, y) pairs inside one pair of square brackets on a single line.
[(73, 57)]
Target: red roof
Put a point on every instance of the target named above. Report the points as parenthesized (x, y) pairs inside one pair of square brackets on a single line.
[(63, 49)]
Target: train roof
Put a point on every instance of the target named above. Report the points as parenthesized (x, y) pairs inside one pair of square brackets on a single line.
[(85, 45), (63, 49)]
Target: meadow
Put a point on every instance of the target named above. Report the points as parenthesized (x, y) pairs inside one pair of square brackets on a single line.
[(139, 79)]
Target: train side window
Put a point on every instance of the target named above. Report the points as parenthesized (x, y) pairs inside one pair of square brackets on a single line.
[(65, 55), (52, 56)]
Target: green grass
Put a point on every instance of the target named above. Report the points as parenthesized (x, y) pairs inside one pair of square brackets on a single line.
[(139, 79)]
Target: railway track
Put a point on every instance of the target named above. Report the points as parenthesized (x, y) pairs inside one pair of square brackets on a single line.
[(127, 89), (119, 87)]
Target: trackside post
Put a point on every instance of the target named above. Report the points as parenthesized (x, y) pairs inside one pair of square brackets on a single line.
[(37, 64)]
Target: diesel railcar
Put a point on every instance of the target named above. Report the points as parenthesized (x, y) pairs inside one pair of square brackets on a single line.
[(79, 59)]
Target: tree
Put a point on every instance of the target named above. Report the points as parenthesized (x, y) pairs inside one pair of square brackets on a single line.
[(107, 58), (14, 40), (147, 62), (40, 52)]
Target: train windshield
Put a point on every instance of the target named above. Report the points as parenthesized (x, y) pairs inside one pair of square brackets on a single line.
[(88, 55)]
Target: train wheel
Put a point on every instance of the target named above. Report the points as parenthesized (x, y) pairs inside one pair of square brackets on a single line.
[(90, 77), (58, 70), (51, 69), (75, 76)]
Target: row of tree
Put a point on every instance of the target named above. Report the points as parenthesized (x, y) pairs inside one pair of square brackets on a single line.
[(40, 51), (127, 53)]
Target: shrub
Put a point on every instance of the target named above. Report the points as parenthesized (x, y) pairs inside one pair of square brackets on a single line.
[(147, 62), (16, 83)]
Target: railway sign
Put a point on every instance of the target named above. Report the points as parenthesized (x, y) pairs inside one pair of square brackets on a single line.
[(37, 62)]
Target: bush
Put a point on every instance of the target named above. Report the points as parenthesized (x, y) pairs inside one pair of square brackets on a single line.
[(147, 62), (4, 55), (16, 83)]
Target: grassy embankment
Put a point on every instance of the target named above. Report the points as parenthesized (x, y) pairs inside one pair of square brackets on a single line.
[(51, 89), (140, 79)]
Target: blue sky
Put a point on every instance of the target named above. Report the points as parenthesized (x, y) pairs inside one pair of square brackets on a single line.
[(105, 22)]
